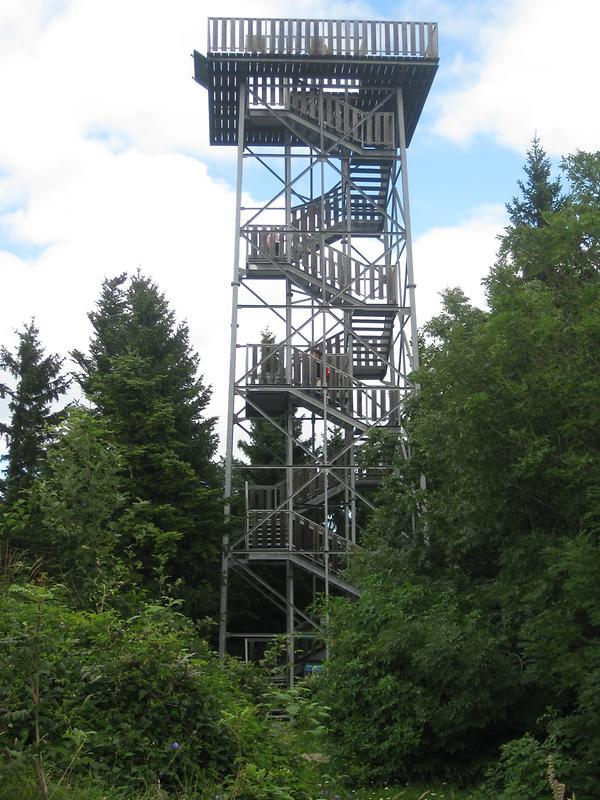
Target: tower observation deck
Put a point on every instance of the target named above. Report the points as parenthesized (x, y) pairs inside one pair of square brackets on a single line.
[(321, 113)]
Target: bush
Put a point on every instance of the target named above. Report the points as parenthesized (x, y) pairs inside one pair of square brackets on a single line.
[(138, 698), (519, 774), (417, 685), (135, 703)]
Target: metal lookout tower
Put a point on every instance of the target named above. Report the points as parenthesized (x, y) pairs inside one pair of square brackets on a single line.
[(321, 113)]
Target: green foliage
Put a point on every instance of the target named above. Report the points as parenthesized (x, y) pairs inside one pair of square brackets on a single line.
[(416, 682), (540, 195), (269, 762), (135, 702), (521, 771), (141, 374), (583, 173), (306, 716), (38, 384), (498, 555), (81, 510), (560, 240), (122, 692)]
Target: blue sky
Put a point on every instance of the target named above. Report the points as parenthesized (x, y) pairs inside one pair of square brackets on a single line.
[(105, 164)]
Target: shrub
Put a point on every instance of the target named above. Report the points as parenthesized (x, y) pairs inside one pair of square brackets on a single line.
[(138, 698), (520, 772), (417, 685), (132, 703)]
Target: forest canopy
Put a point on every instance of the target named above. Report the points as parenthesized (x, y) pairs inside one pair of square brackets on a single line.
[(473, 653)]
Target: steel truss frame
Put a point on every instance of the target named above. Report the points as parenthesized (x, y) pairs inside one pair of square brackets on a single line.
[(346, 336)]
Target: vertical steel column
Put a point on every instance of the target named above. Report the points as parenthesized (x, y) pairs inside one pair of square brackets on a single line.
[(289, 457), (235, 284), (410, 277)]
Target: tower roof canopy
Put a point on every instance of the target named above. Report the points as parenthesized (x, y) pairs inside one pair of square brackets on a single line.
[(366, 58)]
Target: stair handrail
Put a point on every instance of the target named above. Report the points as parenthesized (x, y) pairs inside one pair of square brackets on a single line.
[(360, 116)]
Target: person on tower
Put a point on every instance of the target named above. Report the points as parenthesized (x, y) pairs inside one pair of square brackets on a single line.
[(317, 356)]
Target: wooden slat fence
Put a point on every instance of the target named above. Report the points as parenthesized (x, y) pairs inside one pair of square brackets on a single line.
[(367, 129), (322, 37), (269, 244), (266, 366)]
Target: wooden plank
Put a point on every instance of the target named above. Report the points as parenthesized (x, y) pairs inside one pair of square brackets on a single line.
[(421, 38), (413, 39), (386, 26), (404, 38), (363, 47), (434, 40), (357, 132)]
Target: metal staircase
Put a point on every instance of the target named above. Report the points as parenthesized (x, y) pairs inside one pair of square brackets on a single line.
[(325, 109)]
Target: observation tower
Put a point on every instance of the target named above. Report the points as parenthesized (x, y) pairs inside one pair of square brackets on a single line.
[(321, 113)]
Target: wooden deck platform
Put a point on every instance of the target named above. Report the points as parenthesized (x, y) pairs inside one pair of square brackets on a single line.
[(366, 57)]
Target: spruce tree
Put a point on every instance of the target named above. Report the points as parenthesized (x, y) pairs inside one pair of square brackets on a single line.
[(142, 375), (38, 384), (540, 195)]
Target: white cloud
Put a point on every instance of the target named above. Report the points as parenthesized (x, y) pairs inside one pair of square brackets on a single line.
[(456, 256), (537, 72), (102, 132)]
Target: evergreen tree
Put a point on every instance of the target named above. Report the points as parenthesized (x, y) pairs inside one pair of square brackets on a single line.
[(141, 374), (540, 195), (565, 246), (38, 385)]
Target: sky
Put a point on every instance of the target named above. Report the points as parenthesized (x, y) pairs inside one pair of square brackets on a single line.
[(105, 165)]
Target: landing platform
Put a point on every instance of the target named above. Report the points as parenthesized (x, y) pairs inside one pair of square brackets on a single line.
[(366, 57)]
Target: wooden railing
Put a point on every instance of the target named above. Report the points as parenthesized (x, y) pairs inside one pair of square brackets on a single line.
[(321, 213), (307, 483), (266, 365), (274, 244), (268, 530), (329, 214), (323, 37), (367, 129)]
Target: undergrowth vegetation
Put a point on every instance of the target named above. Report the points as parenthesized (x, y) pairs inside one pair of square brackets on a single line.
[(140, 702), (470, 661)]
